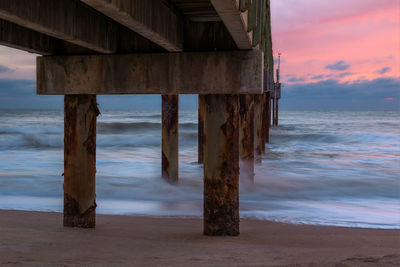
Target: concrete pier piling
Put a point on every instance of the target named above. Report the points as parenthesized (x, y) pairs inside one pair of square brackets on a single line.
[(262, 123), (221, 165), (267, 116), (276, 112), (217, 49), (246, 137), (273, 111), (169, 125), (258, 136), (200, 135), (80, 115)]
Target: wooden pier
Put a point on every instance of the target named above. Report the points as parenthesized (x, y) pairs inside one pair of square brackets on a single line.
[(220, 50)]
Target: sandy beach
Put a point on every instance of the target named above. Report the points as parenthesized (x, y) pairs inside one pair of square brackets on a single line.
[(38, 239)]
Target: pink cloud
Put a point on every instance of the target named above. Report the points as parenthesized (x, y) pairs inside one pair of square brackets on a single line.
[(312, 34)]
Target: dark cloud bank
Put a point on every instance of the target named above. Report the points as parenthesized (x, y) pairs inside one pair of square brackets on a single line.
[(4, 69), (21, 94), (338, 66), (383, 70), (322, 95), (378, 94)]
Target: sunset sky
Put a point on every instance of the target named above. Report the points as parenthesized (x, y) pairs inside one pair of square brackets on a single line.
[(336, 54)]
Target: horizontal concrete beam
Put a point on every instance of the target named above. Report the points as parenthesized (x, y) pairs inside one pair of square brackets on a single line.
[(235, 72), (150, 18), (268, 81), (18, 37), (71, 21), (235, 21)]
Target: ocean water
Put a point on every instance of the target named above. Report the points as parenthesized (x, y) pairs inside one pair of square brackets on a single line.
[(321, 167)]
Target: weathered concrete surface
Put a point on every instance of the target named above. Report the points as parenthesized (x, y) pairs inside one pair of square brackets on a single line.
[(150, 18), (244, 5), (258, 32), (221, 165), (246, 137), (269, 111), (72, 21), (273, 111), (276, 112), (235, 21), (267, 115), (80, 113), (258, 136), (169, 142), (200, 135), (173, 73), (262, 122), (18, 37)]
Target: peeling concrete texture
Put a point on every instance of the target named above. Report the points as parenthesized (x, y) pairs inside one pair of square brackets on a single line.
[(233, 72), (170, 137), (221, 165), (80, 115)]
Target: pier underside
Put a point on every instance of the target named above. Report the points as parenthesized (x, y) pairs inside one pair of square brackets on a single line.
[(218, 49)]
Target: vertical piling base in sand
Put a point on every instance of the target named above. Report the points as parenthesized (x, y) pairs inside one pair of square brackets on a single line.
[(169, 138), (221, 165), (80, 115)]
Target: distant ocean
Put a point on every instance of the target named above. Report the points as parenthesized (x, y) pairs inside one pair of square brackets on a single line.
[(321, 167)]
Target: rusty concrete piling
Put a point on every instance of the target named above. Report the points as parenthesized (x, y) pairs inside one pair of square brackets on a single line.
[(258, 136), (273, 111), (200, 135), (267, 116), (80, 116), (169, 125), (262, 123), (246, 137), (269, 111), (276, 112), (221, 165)]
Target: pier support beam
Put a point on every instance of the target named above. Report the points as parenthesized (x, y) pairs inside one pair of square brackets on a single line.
[(262, 122), (200, 135), (269, 110), (221, 165), (170, 137), (258, 136), (275, 112), (267, 115), (80, 115), (246, 137)]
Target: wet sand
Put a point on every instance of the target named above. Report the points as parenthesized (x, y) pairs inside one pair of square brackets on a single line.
[(38, 239)]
